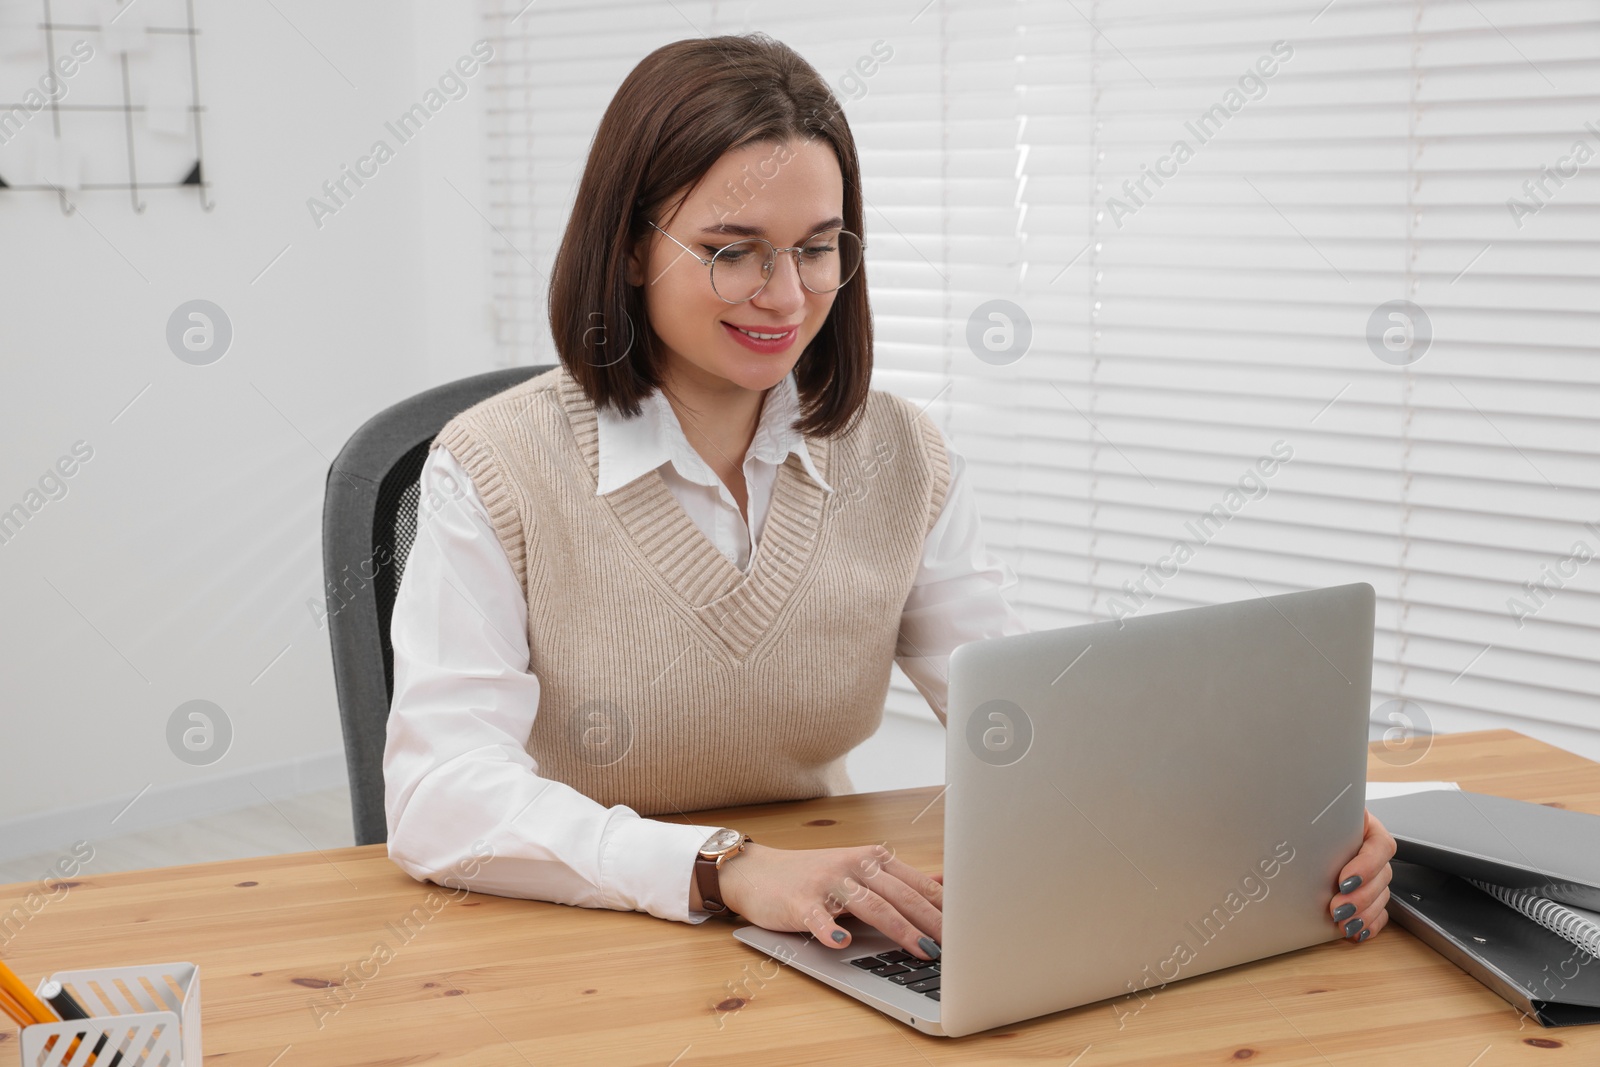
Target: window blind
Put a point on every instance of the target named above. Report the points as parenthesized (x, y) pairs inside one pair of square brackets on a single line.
[(1309, 294)]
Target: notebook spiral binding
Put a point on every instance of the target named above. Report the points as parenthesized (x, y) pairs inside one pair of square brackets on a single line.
[(148, 1016), (1553, 916)]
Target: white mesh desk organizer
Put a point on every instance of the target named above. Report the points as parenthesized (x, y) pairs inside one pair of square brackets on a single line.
[(149, 1017)]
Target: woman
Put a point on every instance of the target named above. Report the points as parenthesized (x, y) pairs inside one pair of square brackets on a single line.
[(678, 567)]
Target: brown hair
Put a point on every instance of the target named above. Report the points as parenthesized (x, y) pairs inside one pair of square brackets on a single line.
[(672, 118)]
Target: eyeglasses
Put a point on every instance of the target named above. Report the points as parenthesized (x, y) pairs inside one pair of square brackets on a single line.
[(825, 261)]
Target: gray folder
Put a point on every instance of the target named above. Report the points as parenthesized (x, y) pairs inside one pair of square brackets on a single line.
[(1537, 971), (1444, 837), (1550, 851)]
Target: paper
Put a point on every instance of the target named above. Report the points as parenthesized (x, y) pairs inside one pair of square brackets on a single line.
[(58, 164), (125, 31), (19, 22), (166, 109), (1385, 790)]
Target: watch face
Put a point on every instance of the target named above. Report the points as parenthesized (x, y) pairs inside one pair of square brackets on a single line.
[(720, 840)]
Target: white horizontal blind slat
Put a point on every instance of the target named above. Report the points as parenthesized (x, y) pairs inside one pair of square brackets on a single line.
[(1313, 217)]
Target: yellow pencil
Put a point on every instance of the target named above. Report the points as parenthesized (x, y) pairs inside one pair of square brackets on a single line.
[(38, 1009), (18, 1014), (14, 995)]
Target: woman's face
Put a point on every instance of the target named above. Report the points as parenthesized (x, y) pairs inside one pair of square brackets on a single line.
[(783, 192)]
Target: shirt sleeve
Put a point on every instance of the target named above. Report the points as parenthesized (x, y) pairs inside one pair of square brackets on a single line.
[(459, 784), (958, 594)]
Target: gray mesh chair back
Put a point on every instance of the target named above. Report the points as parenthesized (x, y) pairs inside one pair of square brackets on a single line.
[(369, 518)]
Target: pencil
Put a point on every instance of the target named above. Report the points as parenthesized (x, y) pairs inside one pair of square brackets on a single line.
[(31, 1007), (36, 1008), (18, 1014)]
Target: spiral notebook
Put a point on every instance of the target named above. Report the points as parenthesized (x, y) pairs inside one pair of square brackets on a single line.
[(1578, 925), (1507, 890)]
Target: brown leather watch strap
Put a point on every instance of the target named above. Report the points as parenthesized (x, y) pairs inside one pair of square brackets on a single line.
[(707, 878)]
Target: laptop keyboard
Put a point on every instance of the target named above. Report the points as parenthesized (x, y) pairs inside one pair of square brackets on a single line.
[(902, 968)]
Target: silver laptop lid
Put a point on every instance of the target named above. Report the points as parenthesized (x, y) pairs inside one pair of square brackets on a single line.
[(1136, 802)]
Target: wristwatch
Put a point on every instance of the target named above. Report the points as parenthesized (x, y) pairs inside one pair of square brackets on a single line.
[(716, 851)]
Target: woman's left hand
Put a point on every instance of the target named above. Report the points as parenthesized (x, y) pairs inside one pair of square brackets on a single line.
[(1360, 898)]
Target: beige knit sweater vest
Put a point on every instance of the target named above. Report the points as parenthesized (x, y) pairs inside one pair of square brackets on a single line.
[(670, 680)]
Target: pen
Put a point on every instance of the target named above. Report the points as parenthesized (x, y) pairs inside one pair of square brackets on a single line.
[(69, 1008), (65, 1004)]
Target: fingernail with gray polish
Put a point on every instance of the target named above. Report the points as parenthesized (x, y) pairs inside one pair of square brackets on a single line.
[(1351, 883), (838, 935), (1364, 935), (1352, 926), (1343, 912), (927, 945)]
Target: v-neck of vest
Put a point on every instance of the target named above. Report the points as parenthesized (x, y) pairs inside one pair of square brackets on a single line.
[(736, 607)]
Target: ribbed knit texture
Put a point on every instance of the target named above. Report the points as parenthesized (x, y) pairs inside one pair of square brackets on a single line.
[(671, 681)]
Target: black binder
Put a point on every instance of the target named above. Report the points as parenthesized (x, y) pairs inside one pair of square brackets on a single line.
[(1446, 837)]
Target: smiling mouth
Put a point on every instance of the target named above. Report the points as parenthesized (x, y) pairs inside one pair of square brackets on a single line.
[(764, 335)]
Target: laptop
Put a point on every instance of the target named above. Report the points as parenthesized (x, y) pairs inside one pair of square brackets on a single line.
[(1128, 804)]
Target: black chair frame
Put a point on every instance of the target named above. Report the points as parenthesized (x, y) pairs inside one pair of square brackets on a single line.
[(369, 518)]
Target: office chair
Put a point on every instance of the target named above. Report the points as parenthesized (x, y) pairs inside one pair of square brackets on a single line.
[(369, 518)]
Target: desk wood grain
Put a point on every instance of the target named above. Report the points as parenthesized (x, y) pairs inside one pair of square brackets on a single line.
[(292, 975)]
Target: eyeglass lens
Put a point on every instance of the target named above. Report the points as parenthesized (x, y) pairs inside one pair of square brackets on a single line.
[(827, 261)]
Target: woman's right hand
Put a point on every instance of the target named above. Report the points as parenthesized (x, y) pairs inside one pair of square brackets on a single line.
[(806, 889)]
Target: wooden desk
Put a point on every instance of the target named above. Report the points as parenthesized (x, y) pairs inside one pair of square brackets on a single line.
[(490, 981)]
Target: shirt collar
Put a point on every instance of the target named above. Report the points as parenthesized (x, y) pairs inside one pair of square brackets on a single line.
[(630, 448)]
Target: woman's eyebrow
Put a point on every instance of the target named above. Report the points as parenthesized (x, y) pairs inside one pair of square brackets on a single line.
[(741, 230)]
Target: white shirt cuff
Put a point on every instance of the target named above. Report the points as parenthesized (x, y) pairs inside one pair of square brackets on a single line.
[(647, 865)]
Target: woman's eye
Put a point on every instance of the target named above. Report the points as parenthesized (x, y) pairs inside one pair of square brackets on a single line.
[(818, 251)]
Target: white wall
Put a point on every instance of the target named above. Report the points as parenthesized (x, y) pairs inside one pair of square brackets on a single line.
[(180, 562)]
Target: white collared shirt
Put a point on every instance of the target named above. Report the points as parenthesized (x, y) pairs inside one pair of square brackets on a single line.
[(456, 769), (632, 448)]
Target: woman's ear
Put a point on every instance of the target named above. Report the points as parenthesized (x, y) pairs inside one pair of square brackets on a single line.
[(636, 261)]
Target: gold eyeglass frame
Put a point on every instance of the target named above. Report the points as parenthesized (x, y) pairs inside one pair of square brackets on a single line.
[(794, 251)]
